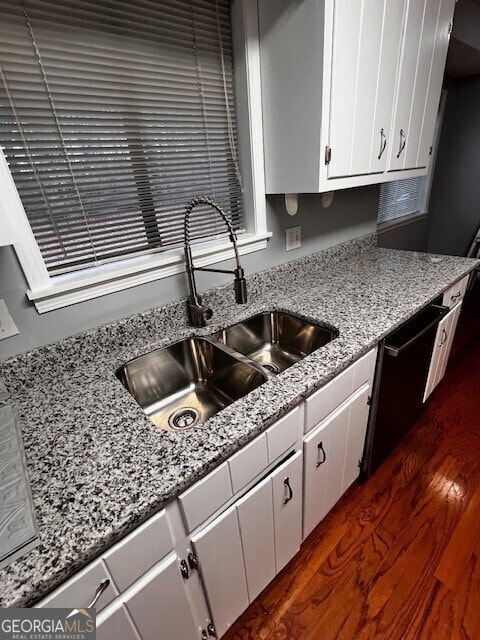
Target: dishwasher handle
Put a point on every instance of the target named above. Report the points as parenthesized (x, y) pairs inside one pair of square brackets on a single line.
[(396, 351)]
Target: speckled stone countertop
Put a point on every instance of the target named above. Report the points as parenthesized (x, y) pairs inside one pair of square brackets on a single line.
[(98, 466)]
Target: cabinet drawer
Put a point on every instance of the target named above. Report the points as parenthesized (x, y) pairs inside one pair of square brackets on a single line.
[(284, 433), (248, 463), (455, 294), (343, 386), (80, 590), (364, 369), (140, 550), (205, 497), (321, 403)]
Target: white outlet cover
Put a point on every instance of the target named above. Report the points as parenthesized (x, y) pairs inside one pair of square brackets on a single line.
[(293, 238), (7, 326)]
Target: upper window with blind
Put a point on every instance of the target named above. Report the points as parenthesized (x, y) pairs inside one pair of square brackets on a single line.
[(113, 116), (401, 199)]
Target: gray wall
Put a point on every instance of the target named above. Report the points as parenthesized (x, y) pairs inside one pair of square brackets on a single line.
[(352, 215), (410, 237), (455, 199)]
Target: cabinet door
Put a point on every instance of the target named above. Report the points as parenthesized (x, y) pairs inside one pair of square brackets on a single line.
[(447, 346), (219, 550), (357, 428), (255, 517), (158, 604), (435, 363), (406, 82), (346, 41), (445, 18), (287, 484), (316, 456), (393, 17), (422, 79), (114, 624), (336, 461)]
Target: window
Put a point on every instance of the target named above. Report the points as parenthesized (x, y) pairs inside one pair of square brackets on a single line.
[(113, 116), (402, 198)]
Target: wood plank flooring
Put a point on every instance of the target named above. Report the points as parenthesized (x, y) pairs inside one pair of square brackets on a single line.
[(398, 557)]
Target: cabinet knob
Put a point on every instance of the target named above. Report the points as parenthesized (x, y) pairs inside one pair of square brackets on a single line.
[(104, 584)]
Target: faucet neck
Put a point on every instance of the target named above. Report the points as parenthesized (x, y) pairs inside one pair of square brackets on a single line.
[(199, 314)]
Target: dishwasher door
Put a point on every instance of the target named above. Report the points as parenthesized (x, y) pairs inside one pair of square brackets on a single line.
[(402, 369)]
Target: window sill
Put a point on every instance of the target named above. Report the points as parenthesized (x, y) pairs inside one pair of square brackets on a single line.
[(68, 289), (400, 222)]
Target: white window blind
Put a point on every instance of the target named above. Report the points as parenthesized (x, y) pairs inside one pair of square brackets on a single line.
[(113, 116), (402, 198)]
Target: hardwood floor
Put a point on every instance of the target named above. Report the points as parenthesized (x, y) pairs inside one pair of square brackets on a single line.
[(398, 557)]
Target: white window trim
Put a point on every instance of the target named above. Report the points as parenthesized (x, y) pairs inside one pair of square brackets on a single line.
[(54, 292)]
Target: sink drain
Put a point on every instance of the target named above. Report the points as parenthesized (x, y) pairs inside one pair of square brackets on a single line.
[(271, 367), (183, 418)]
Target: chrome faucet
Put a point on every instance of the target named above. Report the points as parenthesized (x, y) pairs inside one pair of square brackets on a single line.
[(198, 314)]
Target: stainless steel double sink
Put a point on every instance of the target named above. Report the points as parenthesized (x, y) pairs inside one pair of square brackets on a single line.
[(184, 384)]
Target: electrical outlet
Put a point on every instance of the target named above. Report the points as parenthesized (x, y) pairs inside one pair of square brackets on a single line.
[(293, 238), (7, 325)]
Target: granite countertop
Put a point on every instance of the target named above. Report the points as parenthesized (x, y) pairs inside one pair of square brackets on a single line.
[(98, 466)]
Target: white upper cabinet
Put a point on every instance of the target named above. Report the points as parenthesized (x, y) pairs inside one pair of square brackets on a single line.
[(366, 49), (350, 90), (387, 64), (420, 81), (442, 38)]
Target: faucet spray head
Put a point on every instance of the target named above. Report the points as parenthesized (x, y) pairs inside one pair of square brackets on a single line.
[(240, 285)]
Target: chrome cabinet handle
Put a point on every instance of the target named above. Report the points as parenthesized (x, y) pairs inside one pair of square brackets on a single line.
[(288, 491), (322, 451), (403, 140), (383, 143), (456, 296), (445, 334), (104, 584)]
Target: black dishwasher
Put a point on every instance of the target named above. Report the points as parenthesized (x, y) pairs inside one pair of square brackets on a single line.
[(402, 369)]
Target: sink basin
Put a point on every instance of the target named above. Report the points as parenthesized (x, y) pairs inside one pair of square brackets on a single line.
[(275, 340), (184, 384)]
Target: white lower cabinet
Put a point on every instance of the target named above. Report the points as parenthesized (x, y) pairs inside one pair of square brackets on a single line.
[(287, 485), (243, 549), (218, 548), (154, 608), (357, 429), (441, 349), (114, 623), (316, 455), (159, 606), (255, 516), (332, 452)]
